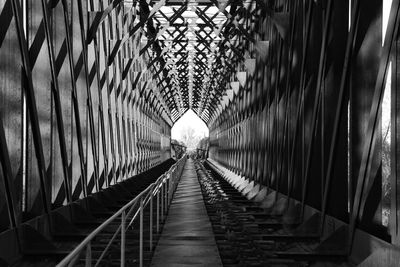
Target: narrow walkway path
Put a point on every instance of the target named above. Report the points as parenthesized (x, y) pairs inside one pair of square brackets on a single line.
[(187, 238)]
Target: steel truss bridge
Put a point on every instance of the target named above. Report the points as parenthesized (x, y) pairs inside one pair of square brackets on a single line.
[(300, 97)]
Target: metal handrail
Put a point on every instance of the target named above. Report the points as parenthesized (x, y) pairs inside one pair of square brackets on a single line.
[(164, 185)]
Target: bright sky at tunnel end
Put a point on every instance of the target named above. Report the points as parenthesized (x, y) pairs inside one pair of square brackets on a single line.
[(189, 120)]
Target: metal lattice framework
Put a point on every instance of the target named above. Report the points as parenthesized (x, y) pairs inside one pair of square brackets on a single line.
[(203, 45), (193, 55), (293, 92)]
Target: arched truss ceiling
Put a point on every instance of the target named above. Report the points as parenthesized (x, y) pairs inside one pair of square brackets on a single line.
[(198, 52)]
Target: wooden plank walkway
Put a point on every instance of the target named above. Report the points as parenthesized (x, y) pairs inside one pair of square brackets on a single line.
[(187, 238)]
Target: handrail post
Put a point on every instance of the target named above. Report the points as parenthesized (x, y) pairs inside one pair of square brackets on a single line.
[(123, 236), (158, 211), (172, 186), (165, 197), (141, 234), (162, 201), (166, 191), (170, 189), (168, 196), (88, 259), (151, 223)]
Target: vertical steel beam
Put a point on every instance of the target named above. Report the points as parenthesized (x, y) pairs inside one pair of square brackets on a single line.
[(300, 99), (57, 103), (31, 101), (374, 118), (344, 83), (7, 176), (317, 100), (288, 93), (98, 79)]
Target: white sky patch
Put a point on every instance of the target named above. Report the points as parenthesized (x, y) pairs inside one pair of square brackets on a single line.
[(387, 4), (189, 120)]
